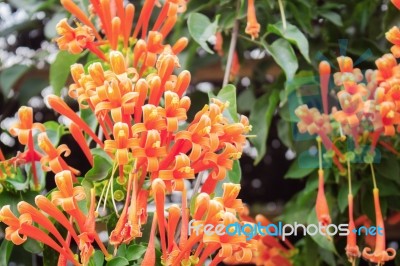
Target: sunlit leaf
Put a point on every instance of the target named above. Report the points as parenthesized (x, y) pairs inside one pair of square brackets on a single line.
[(284, 56), (260, 118), (60, 69), (293, 35), (201, 29)]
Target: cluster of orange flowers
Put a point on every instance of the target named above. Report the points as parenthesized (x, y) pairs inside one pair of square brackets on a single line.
[(141, 110), (369, 109)]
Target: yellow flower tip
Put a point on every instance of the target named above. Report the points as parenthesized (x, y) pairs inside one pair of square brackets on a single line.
[(185, 169), (108, 257), (390, 114), (77, 71), (117, 62), (156, 144), (236, 155)]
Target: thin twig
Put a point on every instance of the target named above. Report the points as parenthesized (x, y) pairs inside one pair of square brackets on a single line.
[(231, 52), (282, 14)]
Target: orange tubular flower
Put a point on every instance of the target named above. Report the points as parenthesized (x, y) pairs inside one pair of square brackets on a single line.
[(321, 207), (313, 122), (121, 143), (381, 254), (324, 75), (229, 198), (253, 27), (390, 117), (158, 188), (61, 107), (175, 109), (197, 135), (396, 3), (151, 151), (121, 105), (67, 195), (352, 250), (387, 68), (24, 128), (52, 160), (222, 161), (180, 171), (80, 139), (71, 7), (393, 36), (73, 40), (20, 228), (153, 119)]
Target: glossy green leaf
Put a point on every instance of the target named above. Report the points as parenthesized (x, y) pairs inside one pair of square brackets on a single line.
[(97, 259), (260, 118), (32, 246), (50, 27), (6, 248), (118, 261), (388, 168), (135, 252), (332, 17), (60, 69), (293, 35), (232, 176), (284, 56), (201, 29), (298, 170), (228, 95), (54, 131), (101, 169), (9, 76), (31, 87)]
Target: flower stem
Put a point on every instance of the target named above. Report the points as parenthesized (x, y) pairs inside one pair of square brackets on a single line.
[(232, 47), (282, 14), (373, 175)]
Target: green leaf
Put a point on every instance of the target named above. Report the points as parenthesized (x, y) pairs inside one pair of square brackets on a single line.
[(284, 56), (343, 193), (296, 170), (293, 35), (10, 76), (298, 208), (232, 176), (50, 27), (90, 118), (54, 131), (260, 118), (118, 261), (101, 169), (6, 248), (31, 87), (32, 246), (321, 240), (97, 259), (135, 252), (201, 29), (60, 69), (388, 168), (228, 94), (332, 17)]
